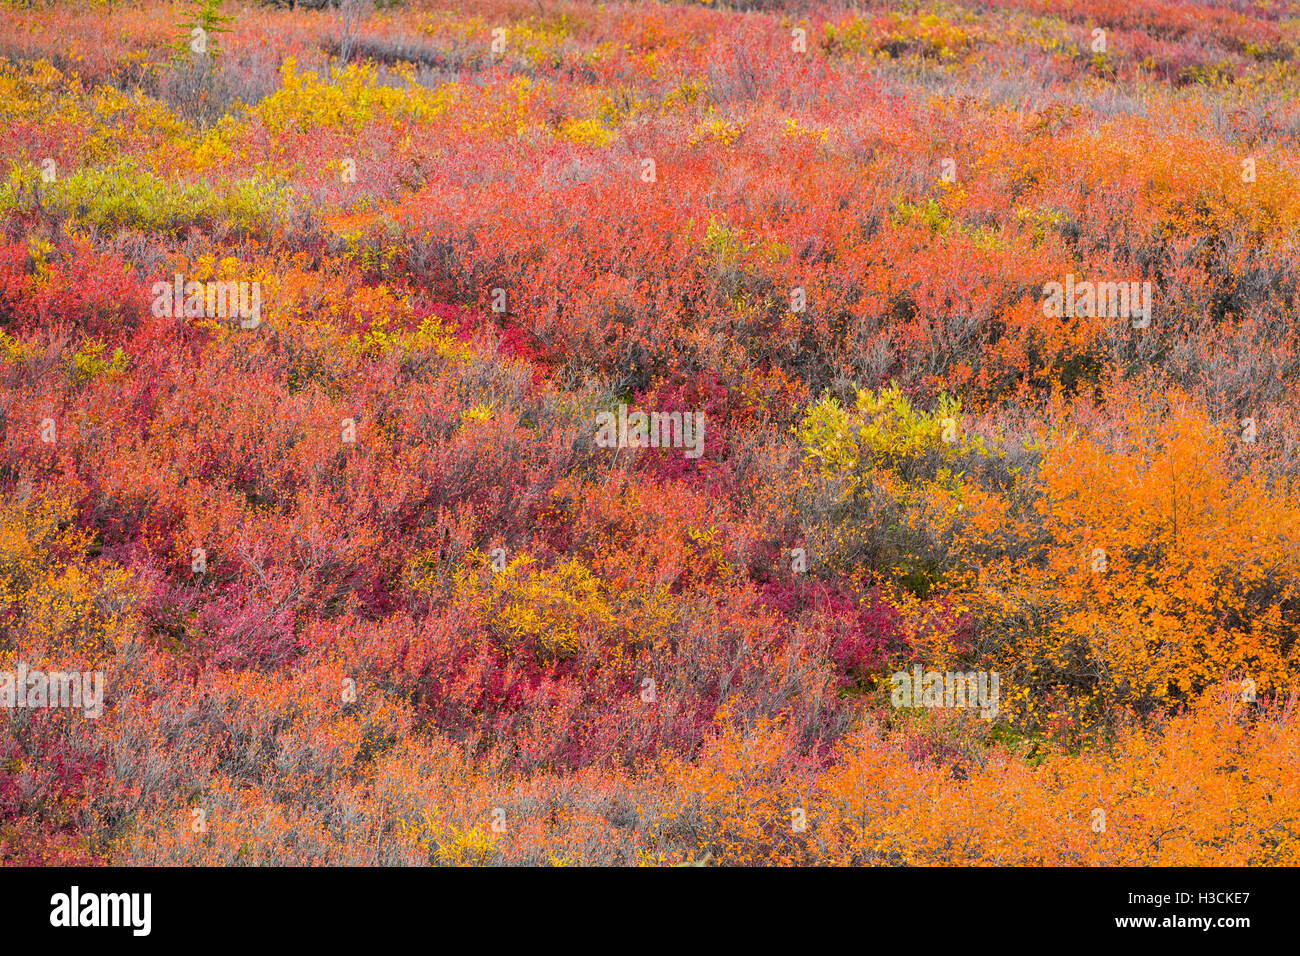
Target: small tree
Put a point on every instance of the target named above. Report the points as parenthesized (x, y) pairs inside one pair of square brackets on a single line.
[(197, 50), (201, 30), (351, 14)]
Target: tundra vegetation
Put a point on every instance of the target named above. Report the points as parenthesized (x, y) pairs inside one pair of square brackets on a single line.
[(365, 587)]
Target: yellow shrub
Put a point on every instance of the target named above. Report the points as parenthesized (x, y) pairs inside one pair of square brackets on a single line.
[(559, 611), (350, 99)]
